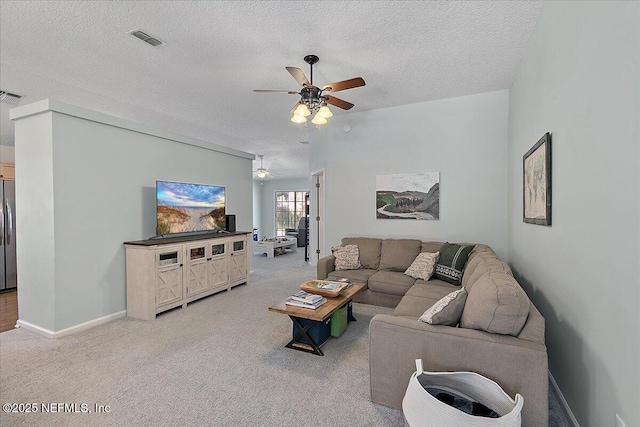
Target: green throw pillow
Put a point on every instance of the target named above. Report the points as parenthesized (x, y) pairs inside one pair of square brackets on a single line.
[(452, 261)]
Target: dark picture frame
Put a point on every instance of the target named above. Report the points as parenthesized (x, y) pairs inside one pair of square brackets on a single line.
[(536, 183)]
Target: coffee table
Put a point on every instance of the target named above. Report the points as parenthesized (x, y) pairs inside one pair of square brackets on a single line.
[(267, 246), (318, 315)]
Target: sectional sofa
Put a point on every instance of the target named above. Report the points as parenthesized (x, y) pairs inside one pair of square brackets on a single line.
[(500, 336)]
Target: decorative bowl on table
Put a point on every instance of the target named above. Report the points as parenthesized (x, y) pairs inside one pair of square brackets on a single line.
[(325, 288)]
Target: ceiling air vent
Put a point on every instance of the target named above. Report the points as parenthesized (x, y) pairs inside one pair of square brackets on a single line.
[(153, 41), (11, 98)]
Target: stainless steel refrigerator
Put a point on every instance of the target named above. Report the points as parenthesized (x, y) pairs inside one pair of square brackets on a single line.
[(8, 268)]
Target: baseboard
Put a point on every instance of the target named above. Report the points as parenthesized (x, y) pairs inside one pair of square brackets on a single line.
[(563, 402), (34, 328), (73, 329)]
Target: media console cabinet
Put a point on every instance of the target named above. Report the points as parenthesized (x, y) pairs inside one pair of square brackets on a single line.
[(166, 273)]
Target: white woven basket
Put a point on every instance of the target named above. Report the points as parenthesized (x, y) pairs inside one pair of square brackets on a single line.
[(421, 409)]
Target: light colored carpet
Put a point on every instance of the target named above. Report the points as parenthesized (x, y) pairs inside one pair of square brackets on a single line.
[(219, 362)]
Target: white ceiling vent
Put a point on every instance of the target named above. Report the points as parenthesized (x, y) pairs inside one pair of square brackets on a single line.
[(153, 41), (11, 98)]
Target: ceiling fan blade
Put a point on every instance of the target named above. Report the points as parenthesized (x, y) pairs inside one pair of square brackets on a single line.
[(291, 92), (299, 76), (340, 103), (344, 84)]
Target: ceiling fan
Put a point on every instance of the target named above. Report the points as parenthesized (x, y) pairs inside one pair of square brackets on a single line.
[(261, 172), (313, 98)]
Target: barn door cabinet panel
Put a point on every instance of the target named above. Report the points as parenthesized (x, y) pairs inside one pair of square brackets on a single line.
[(238, 261), (172, 273)]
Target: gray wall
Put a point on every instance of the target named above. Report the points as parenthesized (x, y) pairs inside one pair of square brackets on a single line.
[(465, 139), (85, 187), (268, 195), (579, 80), (35, 243)]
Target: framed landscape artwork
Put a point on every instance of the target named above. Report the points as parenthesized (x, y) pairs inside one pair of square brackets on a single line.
[(408, 196), (536, 183)]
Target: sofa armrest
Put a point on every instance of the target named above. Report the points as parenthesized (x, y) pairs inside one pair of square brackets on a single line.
[(325, 266), (518, 365)]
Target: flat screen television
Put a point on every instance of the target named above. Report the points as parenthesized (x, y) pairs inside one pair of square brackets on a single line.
[(184, 208)]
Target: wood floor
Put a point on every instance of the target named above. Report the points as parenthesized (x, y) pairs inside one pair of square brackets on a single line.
[(8, 310)]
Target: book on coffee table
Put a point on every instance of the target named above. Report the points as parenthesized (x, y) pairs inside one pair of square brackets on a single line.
[(298, 303), (306, 297)]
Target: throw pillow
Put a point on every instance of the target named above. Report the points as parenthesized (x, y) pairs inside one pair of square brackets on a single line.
[(448, 310), (347, 257), (423, 266), (452, 261)]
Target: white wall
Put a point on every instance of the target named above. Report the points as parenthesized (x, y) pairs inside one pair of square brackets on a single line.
[(269, 188), (465, 139), (103, 194), (579, 80)]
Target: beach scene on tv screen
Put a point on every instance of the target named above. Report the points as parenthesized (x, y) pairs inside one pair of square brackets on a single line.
[(189, 207)]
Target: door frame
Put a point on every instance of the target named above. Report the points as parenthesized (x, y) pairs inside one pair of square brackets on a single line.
[(317, 208)]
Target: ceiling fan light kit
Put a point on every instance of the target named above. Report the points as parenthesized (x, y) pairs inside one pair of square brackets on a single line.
[(315, 99), (262, 172)]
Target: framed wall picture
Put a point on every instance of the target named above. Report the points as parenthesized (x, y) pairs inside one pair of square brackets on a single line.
[(408, 196), (536, 182)]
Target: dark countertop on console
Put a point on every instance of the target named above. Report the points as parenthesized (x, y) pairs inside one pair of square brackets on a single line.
[(180, 239)]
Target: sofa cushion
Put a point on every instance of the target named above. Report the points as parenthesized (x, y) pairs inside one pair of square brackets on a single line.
[(452, 261), (347, 257), (496, 303), (413, 307), (433, 289), (369, 249), (398, 254), (423, 266), (480, 265), (361, 275), (447, 310), (431, 246), (391, 282)]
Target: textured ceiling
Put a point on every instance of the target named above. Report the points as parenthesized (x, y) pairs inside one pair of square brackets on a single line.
[(200, 84)]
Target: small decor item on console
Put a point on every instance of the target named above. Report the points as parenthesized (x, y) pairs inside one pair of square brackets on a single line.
[(453, 258), (230, 223)]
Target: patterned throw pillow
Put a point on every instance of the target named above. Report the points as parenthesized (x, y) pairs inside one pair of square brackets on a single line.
[(347, 257), (448, 310), (452, 261), (423, 266)]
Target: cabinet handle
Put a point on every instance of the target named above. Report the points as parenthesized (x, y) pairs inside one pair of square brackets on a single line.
[(181, 265), (208, 259)]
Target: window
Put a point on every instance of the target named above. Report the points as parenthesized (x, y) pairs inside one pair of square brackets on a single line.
[(289, 209)]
